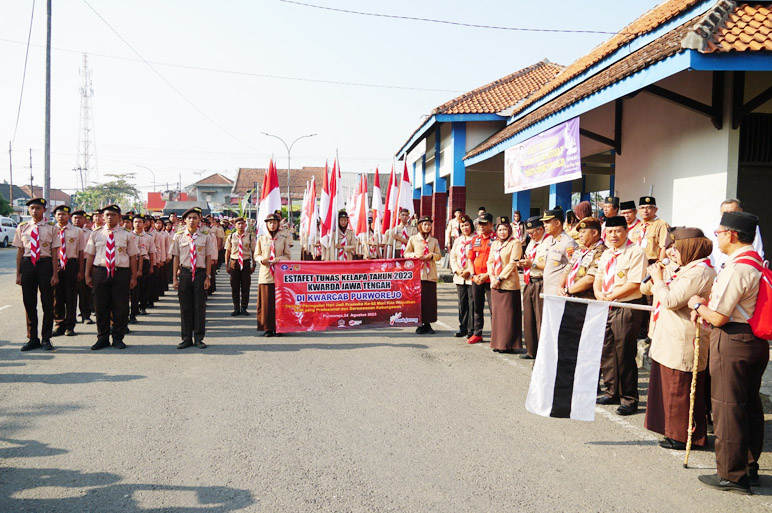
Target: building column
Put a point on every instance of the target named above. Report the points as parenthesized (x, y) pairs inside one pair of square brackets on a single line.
[(426, 200), (416, 193), (521, 201), (560, 195), (440, 195), (457, 192)]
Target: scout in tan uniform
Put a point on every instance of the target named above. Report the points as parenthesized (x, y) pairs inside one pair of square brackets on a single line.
[(346, 245), (651, 233), (506, 313), (622, 268), (610, 209), (271, 248), (578, 276), (164, 256), (399, 235), (35, 241), (453, 230), (239, 248), (195, 251), (145, 262), (629, 211), (534, 257), (462, 277), (738, 358), (111, 270), (71, 271), (560, 248), (85, 301), (426, 248)]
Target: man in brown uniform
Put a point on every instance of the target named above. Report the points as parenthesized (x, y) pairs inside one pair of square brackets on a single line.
[(610, 209), (621, 270), (239, 248), (578, 277), (35, 241), (145, 263), (534, 285), (399, 235), (85, 302), (629, 211), (738, 358), (111, 267), (71, 271), (559, 246), (194, 252)]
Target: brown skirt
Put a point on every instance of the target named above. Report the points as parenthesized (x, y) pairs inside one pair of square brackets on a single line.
[(667, 410), (266, 307), (506, 320), (428, 301)]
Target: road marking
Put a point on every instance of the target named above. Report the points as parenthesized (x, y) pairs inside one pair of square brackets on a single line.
[(4, 307), (440, 323)]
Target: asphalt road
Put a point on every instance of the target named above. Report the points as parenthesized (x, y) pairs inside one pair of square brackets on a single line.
[(379, 420)]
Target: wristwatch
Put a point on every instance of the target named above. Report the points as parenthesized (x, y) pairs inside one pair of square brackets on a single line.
[(697, 306)]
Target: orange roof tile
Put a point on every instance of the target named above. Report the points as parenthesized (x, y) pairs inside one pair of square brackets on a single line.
[(748, 28), (215, 179), (248, 177)]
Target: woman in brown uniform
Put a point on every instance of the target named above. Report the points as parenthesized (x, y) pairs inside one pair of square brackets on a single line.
[(271, 248), (506, 312), (672, 338), (427, 249)]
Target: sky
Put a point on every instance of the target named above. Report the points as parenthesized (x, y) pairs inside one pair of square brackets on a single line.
[(223, 73)]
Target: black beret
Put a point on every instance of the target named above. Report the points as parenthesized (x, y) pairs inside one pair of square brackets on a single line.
[(742, 222), (128, 217), (37, 201), (616, 221), (589, 223), (555, 213), (458, 209), (533, 222), (78, 213), (111, 208), (425, 219), (613, 200), (193, 210), (63, 208), (627, 205), (274, 217), (647, 200), (88, 217), (503, 220), (485, 218)]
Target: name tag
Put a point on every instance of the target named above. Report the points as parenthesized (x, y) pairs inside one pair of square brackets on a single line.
[(644, 243)]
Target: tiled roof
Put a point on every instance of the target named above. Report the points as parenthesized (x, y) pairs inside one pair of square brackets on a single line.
[(56, 194), (248, 177), (5, 192), (740, 28), (502, 93), (215, 179)]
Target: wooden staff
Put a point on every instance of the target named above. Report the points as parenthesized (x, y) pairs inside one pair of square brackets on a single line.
[(693, 391)]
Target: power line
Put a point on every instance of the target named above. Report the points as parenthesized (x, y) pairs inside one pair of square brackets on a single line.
[(446, 22), (24, 74)]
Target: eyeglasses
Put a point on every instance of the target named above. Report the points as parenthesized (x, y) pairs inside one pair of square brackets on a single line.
[(716, 232)]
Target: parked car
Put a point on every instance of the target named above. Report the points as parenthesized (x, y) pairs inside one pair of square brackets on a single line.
[(7, 230)]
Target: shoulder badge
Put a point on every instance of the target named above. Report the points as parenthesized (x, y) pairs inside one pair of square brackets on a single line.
[(205, 232), (22, 223)]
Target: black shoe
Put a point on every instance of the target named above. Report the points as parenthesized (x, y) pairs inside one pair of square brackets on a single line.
[(133, 320), (753, 474), (185, 344), (714, 481), (46, 344), (58, 332), (69, 333), (200, 344), (100, 344), (151, 305), (31, 344), (604, 399), (244, 312), (118, 344), (236, 312), (526, 356), (269, 333), (421, 329), (669, 443), (88, 320), (127, 330), (142, 311), (626, 409), (429, 329), (460, 334)]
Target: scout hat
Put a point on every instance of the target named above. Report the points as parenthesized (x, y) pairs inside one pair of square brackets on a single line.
[(342, 214), (239, 220), (427, 219), (128, 217), (647, 200), (192, 210), (111, 208), (742, 222), (79, 213), (503, 220), (63, 208), (555, 213), (589, 223), (274, 217), (612, 200), (485, 218), (616, 221), (627, 205), (37, 201), (533, 222)]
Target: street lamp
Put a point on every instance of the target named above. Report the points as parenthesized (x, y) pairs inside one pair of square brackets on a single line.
[(289, 167), (151, 172)]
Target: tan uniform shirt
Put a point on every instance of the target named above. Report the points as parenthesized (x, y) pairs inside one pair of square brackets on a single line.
[(73, 240), (248, 243), (588, 266), (47, 239), (205, 247), (630, 268), (125, 246), (650, 236), (737, 285), (85, 235), (348, 240), (281, 251), (145, 245), (453, 231), (540, 257), (415, 249), (461, 244), (397, 232), (159, 241), (511, 251), (672, 335), (559, 251)]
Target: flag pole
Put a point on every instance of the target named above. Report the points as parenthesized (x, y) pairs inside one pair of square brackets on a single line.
[(612, 304), (692, 391)]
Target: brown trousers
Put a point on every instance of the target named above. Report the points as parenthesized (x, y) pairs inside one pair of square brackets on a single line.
[(66, 296), (737, 362), (620, 346), (533, 306), (241, 281)]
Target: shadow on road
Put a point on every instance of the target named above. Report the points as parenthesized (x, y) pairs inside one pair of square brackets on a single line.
[(67, 378)]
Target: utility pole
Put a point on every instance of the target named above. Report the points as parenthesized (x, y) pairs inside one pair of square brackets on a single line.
[(47, 161), (31, 191), (289, 168), (10, 168)]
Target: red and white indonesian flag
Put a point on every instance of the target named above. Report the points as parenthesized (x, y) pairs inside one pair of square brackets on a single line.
[(313, 215), (377, 207), (270, 200), (329, 205), (404, 197), (565, 376), (361, 209), (391, 202), (304, 210)]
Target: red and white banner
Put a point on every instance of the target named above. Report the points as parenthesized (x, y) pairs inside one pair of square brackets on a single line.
[(319, 296)]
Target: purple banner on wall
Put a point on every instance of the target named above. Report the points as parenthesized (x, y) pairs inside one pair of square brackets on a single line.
[(553, 156)]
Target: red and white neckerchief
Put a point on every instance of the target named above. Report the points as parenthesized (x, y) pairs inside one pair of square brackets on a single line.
[(611, 267), (578, 264), (110, 254), (530, 256), (193, 255), (342, 255), (62, 249), (373, 247), (425, 266), (642, 236), (636, 223), (517, 230), (241, 251), (497, 267), (404, 236), (658, 305), (464, 248), (272, 254), (34, 244), (456, 230)]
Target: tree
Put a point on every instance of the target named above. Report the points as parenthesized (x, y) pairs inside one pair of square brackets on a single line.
[(5, 207), (119, 191)]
